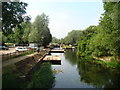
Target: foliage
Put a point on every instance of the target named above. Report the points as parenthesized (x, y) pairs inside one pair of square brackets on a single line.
[(20, 35), (12, 15), (17, 35), (84, 47), (26, 27), (104, 39), (108, 29), (15, 26), (72, 37), (55, 40), (40, 32)]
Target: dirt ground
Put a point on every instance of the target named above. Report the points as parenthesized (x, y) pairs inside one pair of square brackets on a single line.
[(10, 50)]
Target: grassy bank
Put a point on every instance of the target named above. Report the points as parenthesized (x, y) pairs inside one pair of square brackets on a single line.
[(112, 64), (41, 78)]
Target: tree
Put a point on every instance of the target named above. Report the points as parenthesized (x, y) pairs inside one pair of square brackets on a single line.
[(17, 36), (40, 32), (73, 37), (103, 40), (55, 40), (108, 31), (26, 27), (12, 15), (84, 47), (20, 35)]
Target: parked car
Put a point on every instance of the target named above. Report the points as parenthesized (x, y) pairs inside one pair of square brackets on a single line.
[(21, 49), (3, 48)]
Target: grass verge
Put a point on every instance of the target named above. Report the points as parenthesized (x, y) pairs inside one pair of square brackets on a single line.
[(113, 64)]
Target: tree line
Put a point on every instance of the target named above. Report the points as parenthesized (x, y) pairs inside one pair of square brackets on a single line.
[(17, 27), (100, 40), (104, 39)]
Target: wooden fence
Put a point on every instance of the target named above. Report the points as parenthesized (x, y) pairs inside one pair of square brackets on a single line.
[(8, 56)]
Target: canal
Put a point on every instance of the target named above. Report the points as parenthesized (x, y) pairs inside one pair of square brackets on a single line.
[(75, 74)]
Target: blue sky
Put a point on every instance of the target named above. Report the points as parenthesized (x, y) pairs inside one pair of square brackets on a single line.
[(66, 15)]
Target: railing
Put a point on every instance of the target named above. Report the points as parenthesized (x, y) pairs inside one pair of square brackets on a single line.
[(8, 56)]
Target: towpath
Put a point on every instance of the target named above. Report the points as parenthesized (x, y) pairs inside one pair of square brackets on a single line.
[(12, 61)]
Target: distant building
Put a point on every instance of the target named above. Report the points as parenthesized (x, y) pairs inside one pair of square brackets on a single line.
[(33, 44), (54, 44)]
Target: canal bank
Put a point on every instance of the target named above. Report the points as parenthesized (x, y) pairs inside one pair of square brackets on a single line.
[(32, 71), (25, 64)]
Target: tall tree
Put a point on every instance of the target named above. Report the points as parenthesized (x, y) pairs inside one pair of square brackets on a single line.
[(106, 40), (12, 15), (109, 29), (26, 27), (40, 32), (84, 47), (17, 36)]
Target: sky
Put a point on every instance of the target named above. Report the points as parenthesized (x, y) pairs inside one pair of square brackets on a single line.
[(66, 15)]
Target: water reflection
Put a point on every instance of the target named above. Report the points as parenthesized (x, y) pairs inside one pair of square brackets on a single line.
[(70, 56), (98, 76), (73, 73)]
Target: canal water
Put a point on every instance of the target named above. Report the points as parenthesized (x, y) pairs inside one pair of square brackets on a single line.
[(75, 74)]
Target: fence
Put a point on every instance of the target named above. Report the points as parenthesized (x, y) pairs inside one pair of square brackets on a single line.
[(8, 56)]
